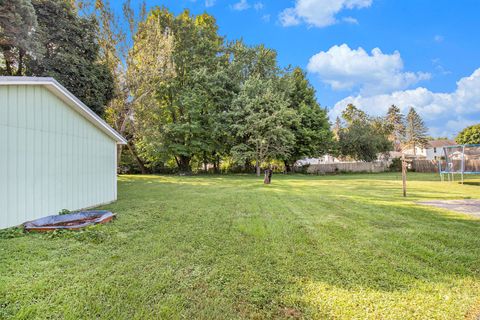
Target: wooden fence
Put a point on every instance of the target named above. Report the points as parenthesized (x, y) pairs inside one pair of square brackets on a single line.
[(324, 168), (432, 165), (426, 165)]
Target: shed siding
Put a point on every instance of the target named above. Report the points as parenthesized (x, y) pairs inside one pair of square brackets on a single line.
[(51, 158)]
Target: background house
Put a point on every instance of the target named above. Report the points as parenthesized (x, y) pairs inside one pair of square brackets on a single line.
[(432, 151), (56, 152)]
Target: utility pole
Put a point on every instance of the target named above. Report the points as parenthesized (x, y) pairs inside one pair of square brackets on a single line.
[(404, 175)]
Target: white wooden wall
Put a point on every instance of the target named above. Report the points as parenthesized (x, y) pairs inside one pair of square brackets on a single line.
[(51, 158)]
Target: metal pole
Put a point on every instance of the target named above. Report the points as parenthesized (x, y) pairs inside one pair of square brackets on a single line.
[(404, 175), (440, 169), (463, 161)]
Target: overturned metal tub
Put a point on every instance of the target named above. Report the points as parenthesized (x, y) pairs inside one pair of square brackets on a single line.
[(72, 221)]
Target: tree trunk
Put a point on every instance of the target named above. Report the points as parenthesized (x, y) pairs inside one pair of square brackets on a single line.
[(216, 163), (257, 167), (184, 164), (8, 62), (119, 154), (139, 161), (414, 149), (205, 162), (288, 167), (20, 62)]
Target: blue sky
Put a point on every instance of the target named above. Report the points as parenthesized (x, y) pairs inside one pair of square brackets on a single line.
[(370, 52)]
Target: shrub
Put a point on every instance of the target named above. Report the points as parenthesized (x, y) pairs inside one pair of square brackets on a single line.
[(396, 165)]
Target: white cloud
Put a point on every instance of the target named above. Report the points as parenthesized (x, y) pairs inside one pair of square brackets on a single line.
[(209, 3), (241, 5), (438, 38), (289, 18), (350, 20), (318, 13), (439, 67), (258, 6), (343, 68), (446, 113), (454, 126), (266, 18)]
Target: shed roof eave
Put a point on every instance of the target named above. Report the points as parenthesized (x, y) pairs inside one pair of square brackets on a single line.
[(66, 96)]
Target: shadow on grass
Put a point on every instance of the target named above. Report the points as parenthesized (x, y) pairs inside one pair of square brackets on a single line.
[(472, 183)]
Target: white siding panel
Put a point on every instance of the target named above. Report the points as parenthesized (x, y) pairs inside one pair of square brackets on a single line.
[(51, 158), (3, 171)]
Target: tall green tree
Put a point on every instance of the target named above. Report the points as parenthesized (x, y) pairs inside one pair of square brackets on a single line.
[(396, 125), (71, 53), (18, 40), (261, 122), (415, 131), (183, 105), (469, 135), (313, 137)]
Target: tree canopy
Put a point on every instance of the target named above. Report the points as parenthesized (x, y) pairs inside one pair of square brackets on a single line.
[(363, 138), (217, 99), (49, 38), (18, 22), (469, 135)]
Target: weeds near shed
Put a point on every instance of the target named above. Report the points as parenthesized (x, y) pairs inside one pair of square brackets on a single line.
[(64, 211), (92, 234), (10, 233)]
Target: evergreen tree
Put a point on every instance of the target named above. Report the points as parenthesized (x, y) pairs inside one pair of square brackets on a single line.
[(48, 38), (415, 131), (71, 53), (18, 23), (396, 125), (337, 126)]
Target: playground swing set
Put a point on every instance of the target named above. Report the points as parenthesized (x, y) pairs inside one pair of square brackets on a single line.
[(459, 160)]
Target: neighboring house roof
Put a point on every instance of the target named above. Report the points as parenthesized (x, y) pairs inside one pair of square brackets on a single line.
[(395, 154), (441, 143), (66, 96)]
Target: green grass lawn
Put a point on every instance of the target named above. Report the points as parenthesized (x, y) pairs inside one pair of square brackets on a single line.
[(229, 247)]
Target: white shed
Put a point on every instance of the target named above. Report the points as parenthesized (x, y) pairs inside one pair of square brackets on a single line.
[(55, 153)]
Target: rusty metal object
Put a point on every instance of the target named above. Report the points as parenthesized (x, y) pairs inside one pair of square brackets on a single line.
[(72, 221)]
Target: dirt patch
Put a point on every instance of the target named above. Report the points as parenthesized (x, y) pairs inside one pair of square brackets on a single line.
[(291, 313), (468, 206)]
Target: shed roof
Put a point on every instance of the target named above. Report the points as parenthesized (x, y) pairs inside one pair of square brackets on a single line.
[(66, 96)]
